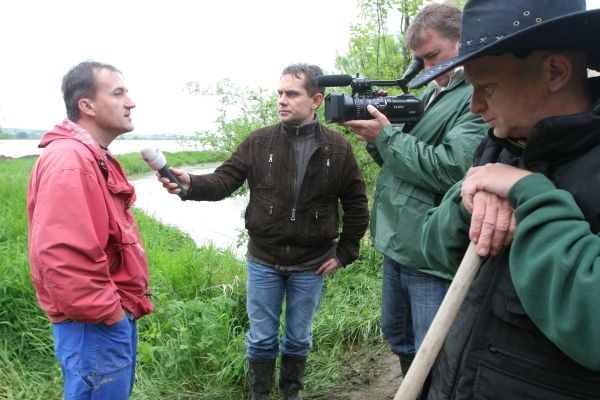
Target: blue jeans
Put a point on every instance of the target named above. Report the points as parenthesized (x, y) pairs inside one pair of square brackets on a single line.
[(265, 288), (97, 360), (410, 300)]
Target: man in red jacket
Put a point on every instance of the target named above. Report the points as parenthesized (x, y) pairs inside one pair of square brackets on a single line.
[(87, 261)]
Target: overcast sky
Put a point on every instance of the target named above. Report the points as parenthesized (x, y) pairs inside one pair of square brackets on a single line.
[(159, 45)]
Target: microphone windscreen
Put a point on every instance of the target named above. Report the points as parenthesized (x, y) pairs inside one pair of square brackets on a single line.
[(153, 157), (334, 80)]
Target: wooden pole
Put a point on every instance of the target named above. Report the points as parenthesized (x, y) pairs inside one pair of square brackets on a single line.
[(436, 335)]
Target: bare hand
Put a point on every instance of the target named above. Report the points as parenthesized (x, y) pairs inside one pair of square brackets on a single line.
[(492, 223), (327, 266), (181, 175), (492, 178), (485, 195), (368, 129)]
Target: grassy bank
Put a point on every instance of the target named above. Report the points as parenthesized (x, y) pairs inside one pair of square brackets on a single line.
[(192, 347)]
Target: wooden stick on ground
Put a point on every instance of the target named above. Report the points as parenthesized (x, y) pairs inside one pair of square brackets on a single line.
[(436, 335)]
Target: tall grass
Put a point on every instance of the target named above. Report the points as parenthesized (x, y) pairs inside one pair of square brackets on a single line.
[(192, 346)]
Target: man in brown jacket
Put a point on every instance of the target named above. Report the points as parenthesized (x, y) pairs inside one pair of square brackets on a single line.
[(297, 171)]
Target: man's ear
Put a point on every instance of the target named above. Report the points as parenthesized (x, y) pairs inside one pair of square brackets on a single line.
[(86, 107), (560, 71), (317, 100)]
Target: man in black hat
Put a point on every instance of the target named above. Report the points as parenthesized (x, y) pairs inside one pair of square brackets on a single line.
[(528, 327)]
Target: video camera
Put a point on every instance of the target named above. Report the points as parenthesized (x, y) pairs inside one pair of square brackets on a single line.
[(340, 107)]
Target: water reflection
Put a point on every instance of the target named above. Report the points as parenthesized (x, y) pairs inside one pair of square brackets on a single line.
[(218, 222)]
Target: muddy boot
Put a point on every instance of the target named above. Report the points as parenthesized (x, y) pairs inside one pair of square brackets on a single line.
[(260, 373), (405, 364), (291, 377)]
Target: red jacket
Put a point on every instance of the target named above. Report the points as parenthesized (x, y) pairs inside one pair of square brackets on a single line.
[(86, 256)]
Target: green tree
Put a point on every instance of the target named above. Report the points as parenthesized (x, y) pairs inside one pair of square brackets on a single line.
[(373, 50), (241, 110)]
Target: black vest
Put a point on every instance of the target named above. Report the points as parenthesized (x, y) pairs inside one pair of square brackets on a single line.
[(493, 350)]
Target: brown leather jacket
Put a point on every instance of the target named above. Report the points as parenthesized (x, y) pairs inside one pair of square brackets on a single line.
[(285, 228)]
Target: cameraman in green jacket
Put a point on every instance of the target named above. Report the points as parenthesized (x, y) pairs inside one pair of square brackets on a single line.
[(418, 166)]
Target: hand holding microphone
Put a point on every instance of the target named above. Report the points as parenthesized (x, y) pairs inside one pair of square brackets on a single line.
[(157, 161)]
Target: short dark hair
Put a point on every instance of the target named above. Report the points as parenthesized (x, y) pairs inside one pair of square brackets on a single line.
[(443, 18), (80, 82), (310, 72)]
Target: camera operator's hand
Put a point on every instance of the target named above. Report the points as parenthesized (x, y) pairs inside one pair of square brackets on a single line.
[(368, 129)]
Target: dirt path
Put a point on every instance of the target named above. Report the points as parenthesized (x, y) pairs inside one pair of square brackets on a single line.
[(378, 379)]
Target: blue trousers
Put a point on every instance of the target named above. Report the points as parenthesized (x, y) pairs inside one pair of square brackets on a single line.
[(97, 360), (265, 289), (410, 300)]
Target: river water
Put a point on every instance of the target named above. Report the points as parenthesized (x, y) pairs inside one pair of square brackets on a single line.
[(205, 221), (218, 222)]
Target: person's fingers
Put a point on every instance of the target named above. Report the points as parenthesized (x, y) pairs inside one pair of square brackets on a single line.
[(511, 231), (469, 188), (487, 222), (327, 267), (502, 227), (477, 217), (467, 193), (381, 118)]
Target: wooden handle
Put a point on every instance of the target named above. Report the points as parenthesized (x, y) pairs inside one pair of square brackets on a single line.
[(436, 335)]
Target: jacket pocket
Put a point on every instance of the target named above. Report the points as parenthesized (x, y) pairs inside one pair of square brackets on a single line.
[(125, 240), (520, 380), (265, 166), (260, 217), (321, 224)]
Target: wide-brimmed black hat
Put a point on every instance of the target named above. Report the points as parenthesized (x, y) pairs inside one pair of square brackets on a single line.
[(502, 26)]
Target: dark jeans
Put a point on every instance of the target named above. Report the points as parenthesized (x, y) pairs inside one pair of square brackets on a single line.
[(410, 300)]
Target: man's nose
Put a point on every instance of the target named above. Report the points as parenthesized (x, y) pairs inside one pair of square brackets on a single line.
[(129, 103), (478, 104)]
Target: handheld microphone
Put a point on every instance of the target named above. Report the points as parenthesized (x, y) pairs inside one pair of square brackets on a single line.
[(157, 161), (334, 80)]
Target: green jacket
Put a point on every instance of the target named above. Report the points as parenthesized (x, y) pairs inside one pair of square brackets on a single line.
[(530, 317), (418, 167)]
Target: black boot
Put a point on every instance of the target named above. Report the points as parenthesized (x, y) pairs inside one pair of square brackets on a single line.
[(260, 373), (405, 364), (291, 377)]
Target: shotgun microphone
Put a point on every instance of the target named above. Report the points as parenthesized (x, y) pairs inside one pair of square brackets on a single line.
[(334, 80), (157, 161)]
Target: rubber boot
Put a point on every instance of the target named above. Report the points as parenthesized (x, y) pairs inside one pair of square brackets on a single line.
[(260, 374), (291, 377), (405, 364)]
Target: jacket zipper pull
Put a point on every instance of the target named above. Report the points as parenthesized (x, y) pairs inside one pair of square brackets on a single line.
[(270, 210), (293, 214), (270, 163), (316, 215), (495, 351)]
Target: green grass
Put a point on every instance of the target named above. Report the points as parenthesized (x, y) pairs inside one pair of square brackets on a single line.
[(192, 346)]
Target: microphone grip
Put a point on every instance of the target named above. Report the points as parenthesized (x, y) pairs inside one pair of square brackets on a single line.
[(164, 171)]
